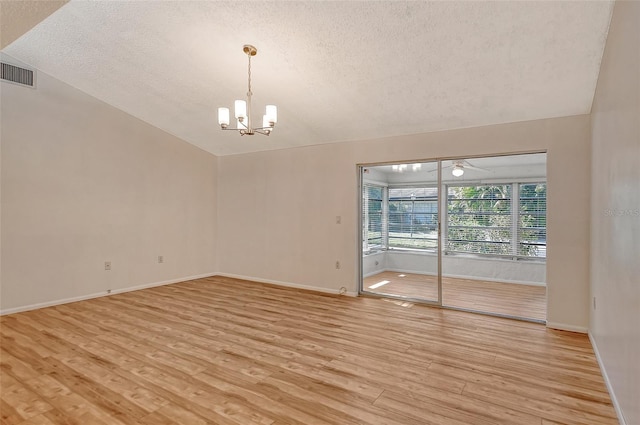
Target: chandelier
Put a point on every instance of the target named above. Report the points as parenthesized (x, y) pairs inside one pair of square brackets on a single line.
[(245, 124)]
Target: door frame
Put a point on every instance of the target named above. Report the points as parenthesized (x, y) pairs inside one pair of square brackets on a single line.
[(360, 168)]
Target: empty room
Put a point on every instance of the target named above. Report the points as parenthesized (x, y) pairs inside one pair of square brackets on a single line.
[(319, 212)]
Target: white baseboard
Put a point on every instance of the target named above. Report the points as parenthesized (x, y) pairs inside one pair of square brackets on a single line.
[(99, 294), (373, 273), (489, 279), (162, 283), (289, 284), (459, 276), (607, 382), (565, 327)]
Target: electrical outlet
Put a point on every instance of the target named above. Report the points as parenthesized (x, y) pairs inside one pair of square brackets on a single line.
[(337, 264), (160, 259), (107, 265)]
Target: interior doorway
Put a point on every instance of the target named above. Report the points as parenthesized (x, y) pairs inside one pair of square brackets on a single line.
[(468, 233)]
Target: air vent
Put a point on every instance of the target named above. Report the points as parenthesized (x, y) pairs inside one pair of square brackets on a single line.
[(17, 75)]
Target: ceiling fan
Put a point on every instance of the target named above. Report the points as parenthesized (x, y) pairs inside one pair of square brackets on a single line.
[(459, 166)]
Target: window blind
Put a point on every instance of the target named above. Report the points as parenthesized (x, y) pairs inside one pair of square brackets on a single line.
[(372, 197), (532, 220), (479, 219), (500, 219), (413, 217)]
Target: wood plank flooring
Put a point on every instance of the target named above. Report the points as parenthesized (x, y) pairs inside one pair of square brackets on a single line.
[(230, 352), (510, 299)]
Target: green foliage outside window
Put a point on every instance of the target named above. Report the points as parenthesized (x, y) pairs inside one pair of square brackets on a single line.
[(479, 219), (532, 220)]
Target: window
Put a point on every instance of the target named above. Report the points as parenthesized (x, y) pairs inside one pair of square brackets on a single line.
[(488, 219), (479, 219), (372, 235), (413, 217), (505, 219), (532, 220)]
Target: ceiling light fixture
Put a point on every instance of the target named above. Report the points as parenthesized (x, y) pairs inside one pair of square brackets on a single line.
[(243, 109), (400, 168), (458, 170)]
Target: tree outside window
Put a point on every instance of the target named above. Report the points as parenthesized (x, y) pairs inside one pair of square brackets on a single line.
[(500, 219)]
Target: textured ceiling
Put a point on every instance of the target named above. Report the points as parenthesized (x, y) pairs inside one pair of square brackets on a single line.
[(337, 70)]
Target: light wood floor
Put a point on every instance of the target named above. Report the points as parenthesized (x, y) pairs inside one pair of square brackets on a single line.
[(231, 352), (510, 299)]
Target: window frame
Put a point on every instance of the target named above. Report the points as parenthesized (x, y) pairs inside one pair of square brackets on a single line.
[(515, 228), (442, 210), (412, 214)]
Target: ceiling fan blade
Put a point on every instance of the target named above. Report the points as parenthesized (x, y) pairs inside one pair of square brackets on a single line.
[(470, 166), (444, 168), (463, 164)]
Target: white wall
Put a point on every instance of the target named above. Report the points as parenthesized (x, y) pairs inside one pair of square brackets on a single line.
[(84, 183), (459, 266), (374, 263), (283, 206), (615, 211)]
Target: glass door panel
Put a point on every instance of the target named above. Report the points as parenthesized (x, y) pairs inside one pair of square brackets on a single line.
[(399, 218), (494, 235)]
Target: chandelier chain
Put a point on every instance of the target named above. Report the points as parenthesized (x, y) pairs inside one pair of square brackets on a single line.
[(249, 92)]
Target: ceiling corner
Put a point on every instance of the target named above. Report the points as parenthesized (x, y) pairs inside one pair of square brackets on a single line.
[(18, 17)]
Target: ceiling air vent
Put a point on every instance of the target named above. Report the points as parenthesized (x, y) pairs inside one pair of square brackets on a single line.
[(17, 75)]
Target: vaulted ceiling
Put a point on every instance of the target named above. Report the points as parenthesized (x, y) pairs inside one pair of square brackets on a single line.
[(337, 71)]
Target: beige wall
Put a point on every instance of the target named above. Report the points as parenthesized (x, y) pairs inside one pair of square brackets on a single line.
[(84, 183), (615, 211), (277, 209)]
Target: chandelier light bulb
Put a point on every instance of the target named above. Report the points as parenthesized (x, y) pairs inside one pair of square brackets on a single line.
[(241, 109), (267, 123), (272, 114), (223, 117)]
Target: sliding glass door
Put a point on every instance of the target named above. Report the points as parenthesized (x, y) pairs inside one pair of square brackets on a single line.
[(468, 234)]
